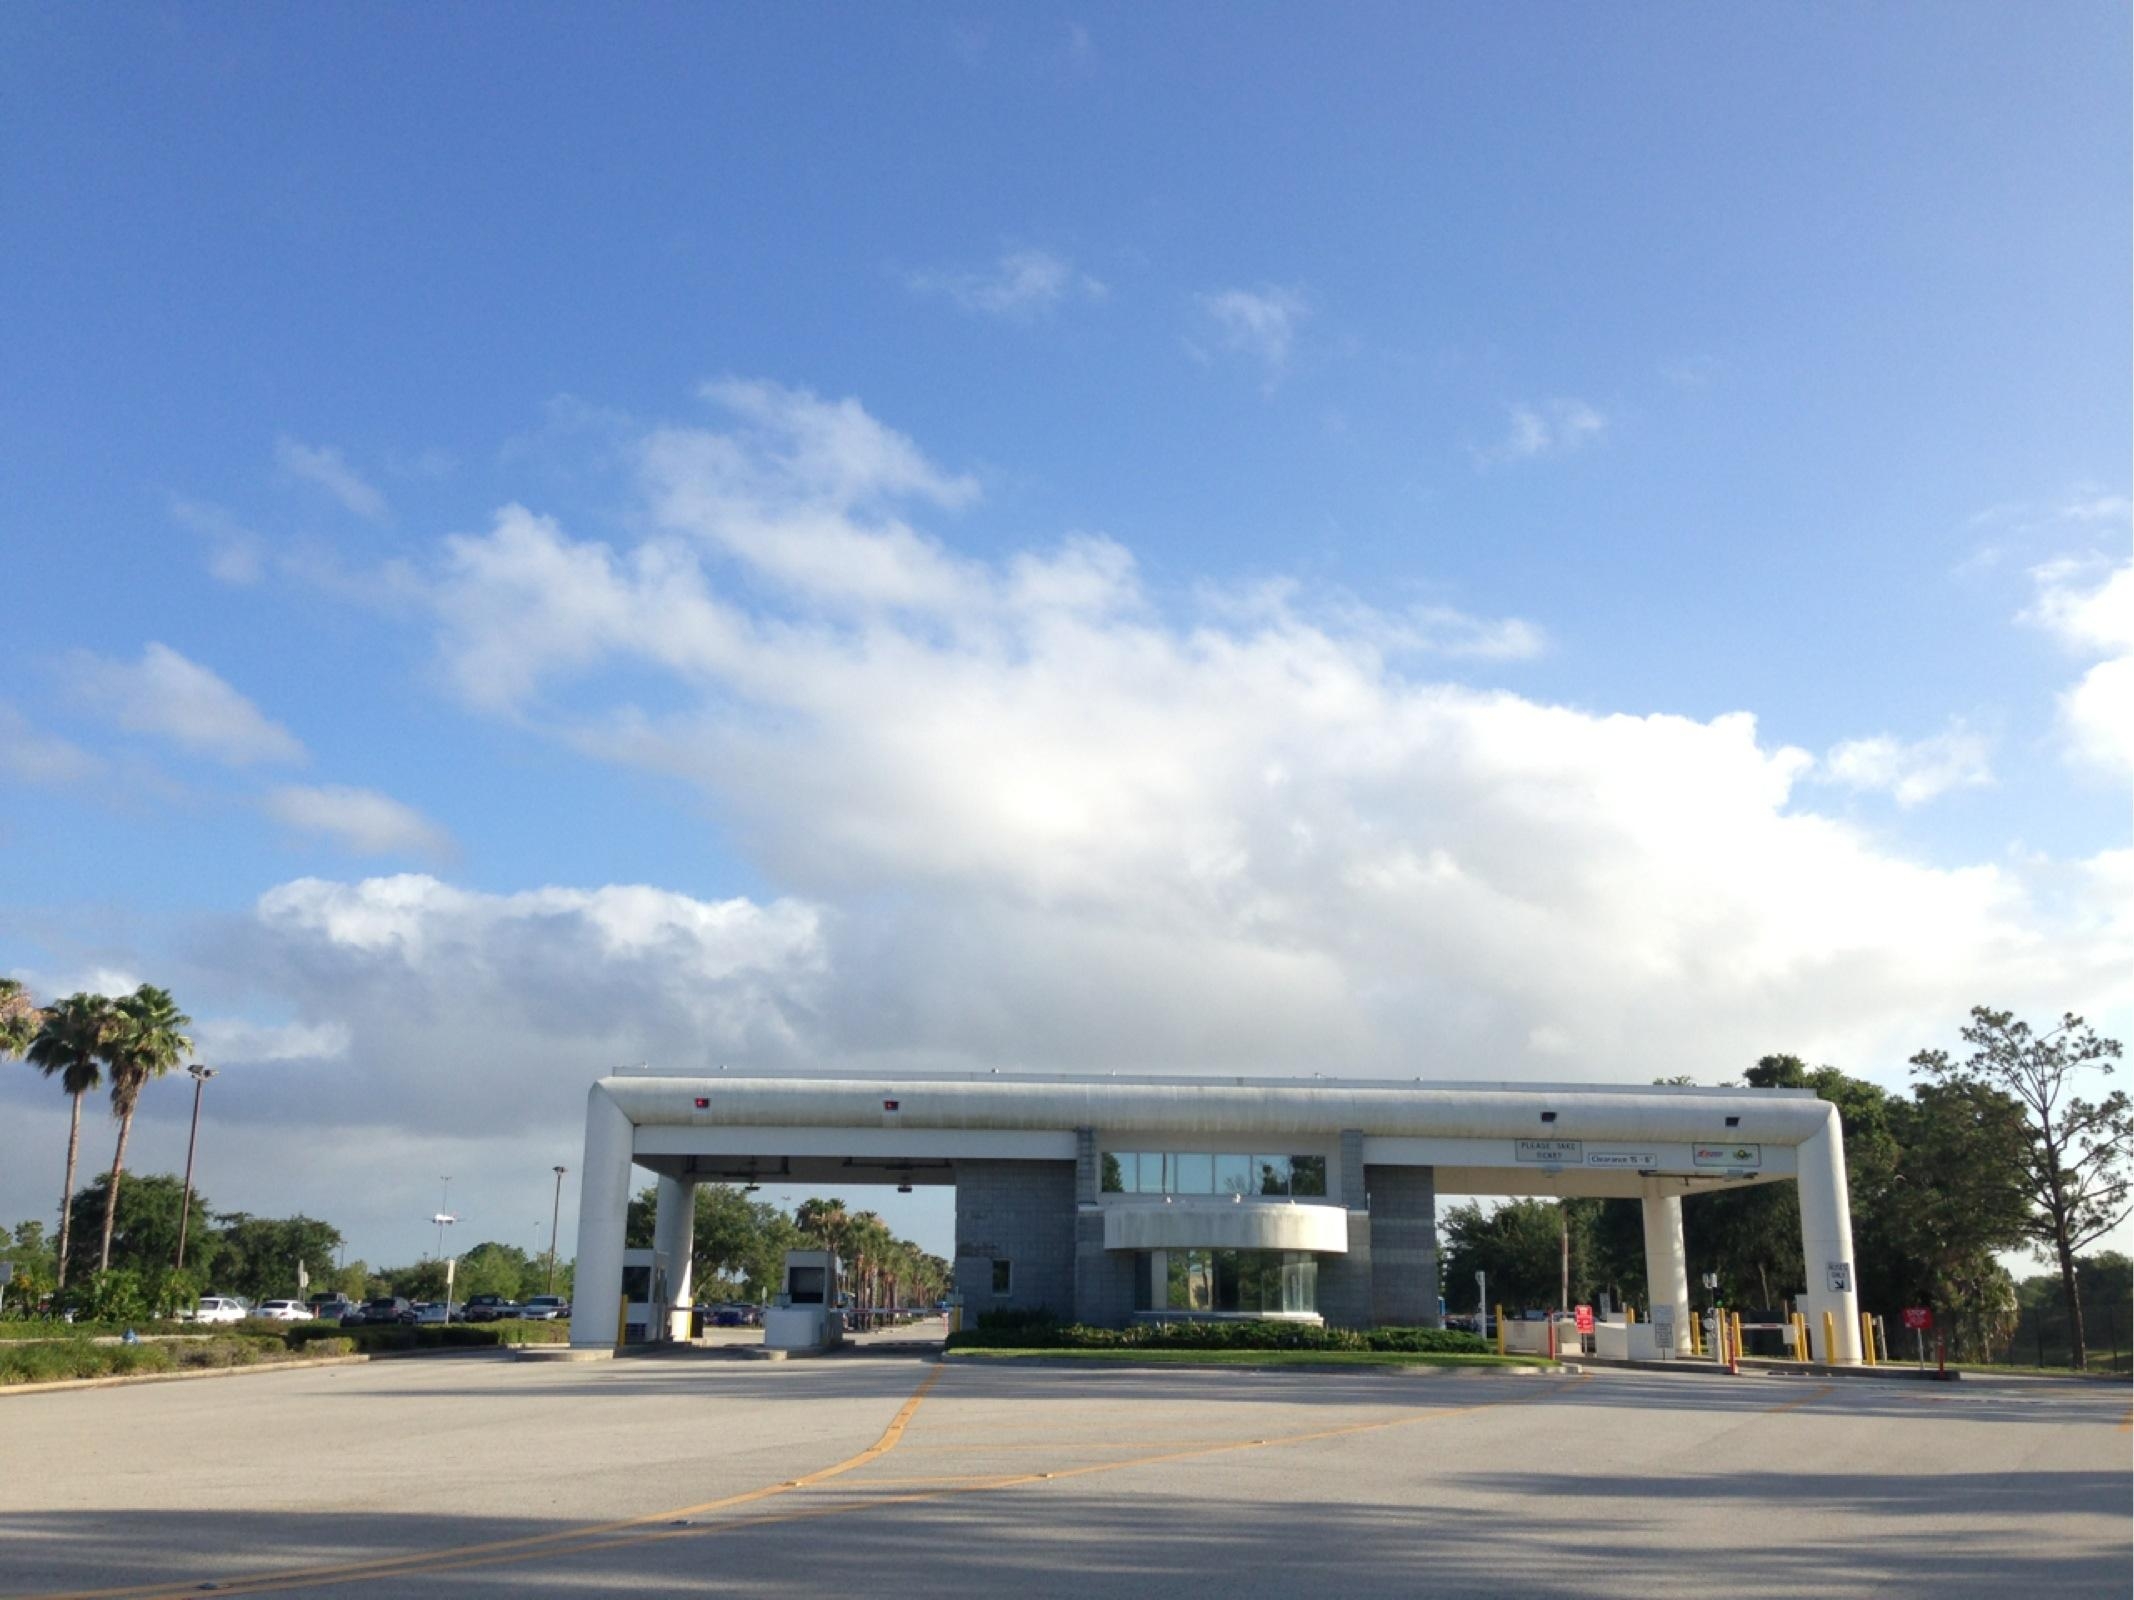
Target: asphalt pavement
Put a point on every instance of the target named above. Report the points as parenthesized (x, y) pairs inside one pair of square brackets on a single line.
[(891, 1475)]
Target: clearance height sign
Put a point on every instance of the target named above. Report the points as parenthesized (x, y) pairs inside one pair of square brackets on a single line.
[(1578, 1153)]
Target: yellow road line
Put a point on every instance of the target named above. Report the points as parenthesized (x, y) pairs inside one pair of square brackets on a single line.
[(1803, 1400), (531, 1544), (643, 1530)]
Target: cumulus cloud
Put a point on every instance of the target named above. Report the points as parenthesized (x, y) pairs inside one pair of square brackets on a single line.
[(236, 555), (1549, 428), (222, 1041), (323, 467), (1021, 286), (1024, 814), (360, 820), (170, 697), (1913, 772), (1260, 324), (2089, 608)]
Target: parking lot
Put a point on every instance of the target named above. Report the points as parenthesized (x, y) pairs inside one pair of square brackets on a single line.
[(886, 1473)]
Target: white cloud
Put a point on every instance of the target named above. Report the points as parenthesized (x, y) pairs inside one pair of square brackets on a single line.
[(2089, 608), (1913, 772), (1045, 823), (236, 555), (361, 820), (30, 755), (1552, 427), (324, 467), (220, 1041), (1021, 286), (1260, 324), (166, 695)]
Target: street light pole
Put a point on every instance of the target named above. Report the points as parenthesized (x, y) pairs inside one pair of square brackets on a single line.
[(555, 1211), (185, 1209)]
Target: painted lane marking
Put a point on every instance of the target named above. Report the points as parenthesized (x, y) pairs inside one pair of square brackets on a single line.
[(511, 1549)]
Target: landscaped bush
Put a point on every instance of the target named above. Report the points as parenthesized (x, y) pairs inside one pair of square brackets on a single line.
[(44, 1328), (1023, 1331), (431, 1336)]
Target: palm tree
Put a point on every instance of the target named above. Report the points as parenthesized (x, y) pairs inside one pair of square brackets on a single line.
[(145, 1044), (70, 1045)]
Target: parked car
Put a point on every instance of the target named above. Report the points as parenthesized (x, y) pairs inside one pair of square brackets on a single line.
[(389, 1309), (219, 1308), (491, 1308), (729, 1317), (440, 1311), (331, 1307), (283, 1311), (545, 1308)]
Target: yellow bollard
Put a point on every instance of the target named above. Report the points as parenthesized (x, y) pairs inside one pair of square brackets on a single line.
[(1867, 1338), (1739, 1348), (1830, 1338), (1630, 1316), (622, 1322), (1696, 1335), (1801, 1351), (1500, 1330)]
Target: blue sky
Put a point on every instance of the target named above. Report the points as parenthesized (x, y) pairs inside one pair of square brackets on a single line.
[(1048, 515)]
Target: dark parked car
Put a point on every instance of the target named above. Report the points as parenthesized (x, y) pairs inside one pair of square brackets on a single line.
[(491, 1308), (332, 1307), (391, 1309)]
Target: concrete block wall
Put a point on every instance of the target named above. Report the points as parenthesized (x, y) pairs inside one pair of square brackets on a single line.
[(1345, 1281), (1025, 1212), (1404, 1264), (1103, 1279)]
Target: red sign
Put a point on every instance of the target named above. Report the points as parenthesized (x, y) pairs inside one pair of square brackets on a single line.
[(1584, 1314), (1920, 1317)]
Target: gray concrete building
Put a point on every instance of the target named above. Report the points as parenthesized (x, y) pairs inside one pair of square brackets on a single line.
[(1105, 1198)]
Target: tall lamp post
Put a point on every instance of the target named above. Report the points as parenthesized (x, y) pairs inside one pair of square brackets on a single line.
[(185, 1209), (555, 1211)]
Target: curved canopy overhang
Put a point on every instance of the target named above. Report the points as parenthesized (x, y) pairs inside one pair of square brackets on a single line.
[(1227, 1225)]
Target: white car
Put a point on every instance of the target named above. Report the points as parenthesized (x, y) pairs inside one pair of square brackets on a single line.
[(283, 1311), (438, 1311), (220, 1308), (544, 1308)]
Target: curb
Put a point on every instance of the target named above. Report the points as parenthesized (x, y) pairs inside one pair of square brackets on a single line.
[(121, 1379)]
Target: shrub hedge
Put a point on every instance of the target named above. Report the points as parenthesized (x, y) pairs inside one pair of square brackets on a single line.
[(58, 1359), (1022, 1331), (432, 1336)]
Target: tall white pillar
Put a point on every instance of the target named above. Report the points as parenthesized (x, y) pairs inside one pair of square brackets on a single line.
[(1666, 1257), (603, 1206), (1826, 1242), (673, 1254)]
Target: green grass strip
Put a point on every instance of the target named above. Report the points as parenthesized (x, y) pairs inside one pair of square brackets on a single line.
[(1143, 1355)]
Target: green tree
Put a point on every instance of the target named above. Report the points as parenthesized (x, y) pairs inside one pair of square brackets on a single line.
[(19, 1018), (146, 1043), (493, 1268), (257, 1257), (2077, 1166), (1520, 1246), (145, 1232), (70, 1045), (35, 1261)]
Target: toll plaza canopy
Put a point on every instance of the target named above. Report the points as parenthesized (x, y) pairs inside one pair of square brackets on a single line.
[(1103, 1198)]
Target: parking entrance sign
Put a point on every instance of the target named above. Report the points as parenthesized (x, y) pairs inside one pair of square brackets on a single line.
[(1918, 1317)]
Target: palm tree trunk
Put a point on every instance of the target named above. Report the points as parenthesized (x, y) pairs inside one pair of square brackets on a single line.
[(111, 1195), (66, 1194)]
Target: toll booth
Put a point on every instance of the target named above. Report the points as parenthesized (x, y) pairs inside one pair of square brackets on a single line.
[(805, 1316), (638, 1296)]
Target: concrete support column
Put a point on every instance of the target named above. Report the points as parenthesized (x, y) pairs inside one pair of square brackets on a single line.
[(603, 1205), (1666, 1258), (1826, 1242), (673, 1257)]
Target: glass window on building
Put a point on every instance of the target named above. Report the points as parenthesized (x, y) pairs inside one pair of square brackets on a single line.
[(1195, 1173), (1271, 1174), (1241, 1282), (1151, 1163), (1307, 1175), (1114, 1173), (1233, 1175)]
